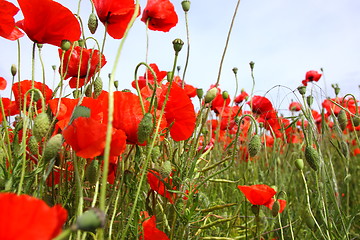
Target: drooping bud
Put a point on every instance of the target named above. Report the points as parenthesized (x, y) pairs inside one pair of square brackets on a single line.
[(275, 209), (41, 126), (342, 119), (98, 87), (165, 169), (13, 70), (52, 147), (185, 5), (225, 95), (299, 163), (92, 23), (312, 157), (302, 90), (210, 95), (91, 220), (254, 145), (65, 45), (177, 44), (145, 127)]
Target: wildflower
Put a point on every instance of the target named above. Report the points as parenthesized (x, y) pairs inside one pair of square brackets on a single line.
[(80, 64), (115, 15), (149, 229), (295, 106), (149, 78), (26, 217), (20, 88), (3, 83), (260, 105), (282, 204), (160, 14), (157, 185), (7, 22), (242, 97), (258, 194), (47, 21), (311, 76)]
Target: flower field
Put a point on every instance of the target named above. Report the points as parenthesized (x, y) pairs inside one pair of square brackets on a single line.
[(82, 157)]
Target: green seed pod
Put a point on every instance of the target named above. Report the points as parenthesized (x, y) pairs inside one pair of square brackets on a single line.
[(65, 45), (275, 209), (199, 93), (91, 220), (41, 126), (33, 146), (299, 163), (98, 87), (177, 44), (116, 84), (235, 70), (13, 70), (225, 95), (145, 127), (254, 145), (252, 64), (312, 157), (309, 100), (92, 23), (342, 119), (302, 90), (185, 5), (210, 95), (165, 169), (92, 171), (52, 147)]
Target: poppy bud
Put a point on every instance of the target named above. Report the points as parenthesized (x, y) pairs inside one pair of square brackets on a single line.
[(185, 5), (13, 70), (199, 93), (116, 84), (344, 149), (41, 126), (145, 127), (252, 64), (92, 23), (312, 157), (81, 43), (210, 95), (275, 209), (299, 163), (177, 44), (33, 146), (88, 91), (254, 145), (342, 119), (235, 70), (302, 90), (76, 93), (65, 45), (337, 91), (91, 172), (225, 95), (165, 169), (98, 87), (90, 220), (309, 100), (52, 147), (53, 67), (356, 120), (155, 153)]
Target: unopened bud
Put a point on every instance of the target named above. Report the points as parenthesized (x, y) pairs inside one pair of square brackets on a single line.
[(92, 23), (342, 119), (235, 70), (252, 64), (177, 44), (145, 127), (225, 95), (199, 93), (13, 70), (41, 126), (52, 147), (302, 90), (98, 86), (210, 95), (91, 220), (309, 100), (65, 45), (299, 164)]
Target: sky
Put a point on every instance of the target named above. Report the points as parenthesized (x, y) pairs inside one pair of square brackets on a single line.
[(284, 39)]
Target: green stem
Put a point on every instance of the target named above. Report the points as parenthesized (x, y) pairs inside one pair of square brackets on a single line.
[(188, 48)]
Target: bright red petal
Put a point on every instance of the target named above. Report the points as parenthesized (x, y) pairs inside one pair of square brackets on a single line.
[(161, 15), (258, 194), (151, 232), (3, 83)]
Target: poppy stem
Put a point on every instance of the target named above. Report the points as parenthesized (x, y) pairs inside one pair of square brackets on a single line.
[(188, 48)]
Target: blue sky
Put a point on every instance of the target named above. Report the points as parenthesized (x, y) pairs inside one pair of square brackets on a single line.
[(284, 39)]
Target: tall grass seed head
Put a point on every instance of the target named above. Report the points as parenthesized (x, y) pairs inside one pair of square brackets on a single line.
[(41, 126), (145, 127), (312, 157), (254, 145)]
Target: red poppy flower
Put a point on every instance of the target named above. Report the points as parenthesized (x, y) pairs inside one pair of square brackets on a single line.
[(189, 89), (260, 105), (149, 229), (282, 204), (161, 15), (26, 217), (20, 88), (311, 76), (85, 60), (258, 194), (153, 178), (115, 15), (7, 22), (242, 97), (3, 83), (295, 106), (10, 108), (179, 113), (219, 102), (87, 137), (149, 78), (47, 21)]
